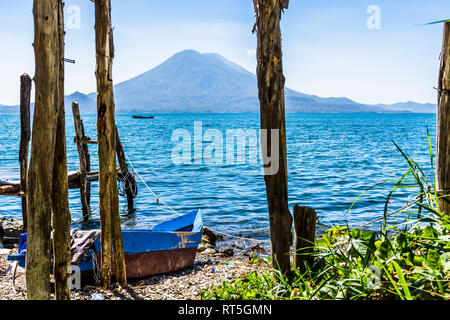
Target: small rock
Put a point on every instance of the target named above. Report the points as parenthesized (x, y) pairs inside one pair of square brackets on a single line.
[(203, 246), (228, 252), (211, 251), (258, 248), (209, 236)]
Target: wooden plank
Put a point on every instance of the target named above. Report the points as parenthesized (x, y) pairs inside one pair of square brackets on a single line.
[(305, 235), (443, 125), (109, 198), (272, 106), (83, 160), (25, 136)]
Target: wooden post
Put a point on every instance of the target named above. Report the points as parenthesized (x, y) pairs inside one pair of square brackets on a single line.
[(272, 104), (25, 136), (443, 125), (109, 198), (129, 181), (39, 204), (87, 157), (61, 218), (79, 138), (305, 235)]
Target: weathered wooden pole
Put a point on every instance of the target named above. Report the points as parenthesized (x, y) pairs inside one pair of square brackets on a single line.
[(40, 185), (272, 103), (61, 218), (87, 156), (305, 235), (25, 136), (443, 125), (128, 179), (79, 139), (109, 198)]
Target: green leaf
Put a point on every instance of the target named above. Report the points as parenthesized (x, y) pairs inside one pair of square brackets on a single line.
[(433, 259), (436, 22), (401, 277)]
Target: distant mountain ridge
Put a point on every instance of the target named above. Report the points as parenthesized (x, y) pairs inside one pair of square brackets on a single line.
[(191, 82)]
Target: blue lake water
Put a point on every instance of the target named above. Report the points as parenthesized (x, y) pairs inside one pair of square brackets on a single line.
[(332, 159)]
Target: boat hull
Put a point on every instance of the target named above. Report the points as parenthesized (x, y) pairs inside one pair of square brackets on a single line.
[(146, 264), (170, 246)]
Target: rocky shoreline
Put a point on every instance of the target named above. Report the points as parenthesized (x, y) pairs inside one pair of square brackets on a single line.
[(217, 261)]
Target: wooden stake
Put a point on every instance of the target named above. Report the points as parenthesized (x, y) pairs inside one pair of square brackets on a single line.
[(61, 215), (39, 204), (87, 156), (272, 104), (130, 182), (25, 136), (109, 199), (305, 235), (443, 125), (79, 137)]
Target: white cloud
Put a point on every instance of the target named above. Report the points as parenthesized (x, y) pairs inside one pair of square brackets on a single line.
[(251, 52)]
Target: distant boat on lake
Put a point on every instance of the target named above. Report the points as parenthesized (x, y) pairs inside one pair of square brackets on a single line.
[(142, 117)]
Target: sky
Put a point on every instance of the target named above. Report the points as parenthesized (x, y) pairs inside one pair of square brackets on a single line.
[(376, 51)]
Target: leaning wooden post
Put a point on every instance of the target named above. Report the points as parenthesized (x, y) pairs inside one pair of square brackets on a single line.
[(39, 204), (443, 125), (272, 104), (87, 156), (305, 235), (25, 136), (79, 137), (129, 181), (109, 198)]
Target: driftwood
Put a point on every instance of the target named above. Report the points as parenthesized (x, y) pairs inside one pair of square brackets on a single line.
[(25, 136), (272, 104), (106, 133), (443, 125)]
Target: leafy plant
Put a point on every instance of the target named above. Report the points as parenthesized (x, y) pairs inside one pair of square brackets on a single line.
[(407, 261)]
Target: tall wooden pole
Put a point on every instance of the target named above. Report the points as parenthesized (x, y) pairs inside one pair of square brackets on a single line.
[(106, 132), (443, 125), (47, 62), (61, 218), (25, 136), (272, 103)]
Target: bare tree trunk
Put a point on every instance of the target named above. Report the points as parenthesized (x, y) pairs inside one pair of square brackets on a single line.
[(443, 125), (106, 131), (61, 214), (47, 59), (272, 102), (25, 135)]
